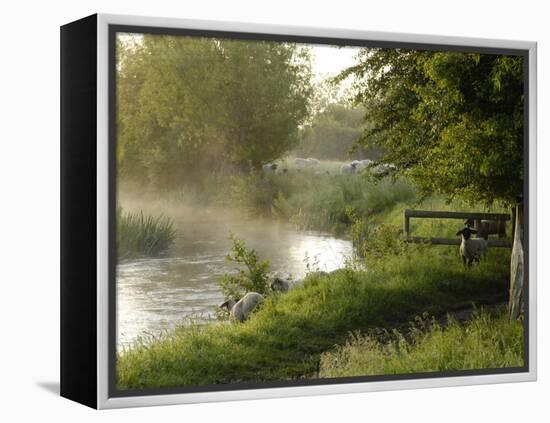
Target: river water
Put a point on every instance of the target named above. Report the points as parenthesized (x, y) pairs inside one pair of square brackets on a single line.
[(155, 294)]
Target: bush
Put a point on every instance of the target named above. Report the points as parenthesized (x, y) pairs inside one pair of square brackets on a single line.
[(251, 273), (141, 235)]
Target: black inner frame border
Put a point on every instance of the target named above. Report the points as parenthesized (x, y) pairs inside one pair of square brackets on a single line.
[(114, 29)]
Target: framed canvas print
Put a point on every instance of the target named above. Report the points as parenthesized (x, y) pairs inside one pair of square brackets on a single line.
[(254, 211)]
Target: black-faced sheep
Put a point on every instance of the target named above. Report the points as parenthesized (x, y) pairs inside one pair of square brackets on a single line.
[(471, 249), (280, 285), (270, 168), (240, 310)]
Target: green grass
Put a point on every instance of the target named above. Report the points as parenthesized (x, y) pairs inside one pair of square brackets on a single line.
[(486, 341), (292, 336), (320, 202), (286, 337), (143, 235)]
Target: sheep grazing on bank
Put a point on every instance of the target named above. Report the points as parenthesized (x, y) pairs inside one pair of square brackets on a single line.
[(471, 249), (240, 310), (485, 228), (280, 285)]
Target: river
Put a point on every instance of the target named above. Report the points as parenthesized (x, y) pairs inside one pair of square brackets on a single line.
[(155, 294)]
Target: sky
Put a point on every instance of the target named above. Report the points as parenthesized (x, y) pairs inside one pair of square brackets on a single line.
[(331, 60)]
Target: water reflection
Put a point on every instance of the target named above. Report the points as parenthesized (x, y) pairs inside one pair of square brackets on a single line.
[(155, 294)]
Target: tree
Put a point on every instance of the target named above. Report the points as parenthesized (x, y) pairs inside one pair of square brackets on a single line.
[(450, 121), (188, 106), (333, 132)]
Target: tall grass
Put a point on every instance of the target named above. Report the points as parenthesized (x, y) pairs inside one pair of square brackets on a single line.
[(324, 202), (486, 341), (142, 235), (285, 338)]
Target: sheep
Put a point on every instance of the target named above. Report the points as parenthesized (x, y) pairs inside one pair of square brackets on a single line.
[(239, 310), (348, 168), (282, 171), (280, 285), (270, 167), (312, 161), (471, 249), (383, 168), (487, 227), (362, 164), (301, 163)]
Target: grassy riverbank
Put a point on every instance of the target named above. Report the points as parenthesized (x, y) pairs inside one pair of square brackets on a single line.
[(296, 335), (286, 338), (484, 342)]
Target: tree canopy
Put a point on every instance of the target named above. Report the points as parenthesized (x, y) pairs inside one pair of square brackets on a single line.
[(451, 121), (188, 106), (333, 132)]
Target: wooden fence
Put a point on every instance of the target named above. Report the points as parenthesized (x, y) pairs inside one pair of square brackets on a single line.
[(428, 214)]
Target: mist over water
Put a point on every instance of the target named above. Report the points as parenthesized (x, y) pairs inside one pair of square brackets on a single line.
[(155, 294)]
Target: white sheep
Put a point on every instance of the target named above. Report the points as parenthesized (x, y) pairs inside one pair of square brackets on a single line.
[(471, 249), (302, 163), (239, 310), (361, 164), (312, 161), (383, 168), (348, 169)]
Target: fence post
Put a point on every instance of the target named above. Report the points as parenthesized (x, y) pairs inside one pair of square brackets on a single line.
[(515, 304), (405, 224)]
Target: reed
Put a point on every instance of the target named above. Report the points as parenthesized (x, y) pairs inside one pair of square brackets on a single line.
[(140, 235)]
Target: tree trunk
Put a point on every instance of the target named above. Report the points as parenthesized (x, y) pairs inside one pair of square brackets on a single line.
[(515, 304)]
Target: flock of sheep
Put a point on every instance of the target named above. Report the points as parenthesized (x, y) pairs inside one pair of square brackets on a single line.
[(471, 250), (310, 163), (240, 309)]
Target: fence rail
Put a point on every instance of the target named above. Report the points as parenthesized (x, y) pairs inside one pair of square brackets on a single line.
[(429, 214)]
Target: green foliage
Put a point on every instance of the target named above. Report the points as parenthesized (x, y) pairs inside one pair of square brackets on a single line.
[(142, 235), (376, 237), (190, 106), (251, 273), (332, 134), (322, 202), (451, 121), (286, 337), (485, 342), (376, 241)]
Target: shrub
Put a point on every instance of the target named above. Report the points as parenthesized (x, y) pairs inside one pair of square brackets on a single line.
[(143, 235), (251, 273)]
